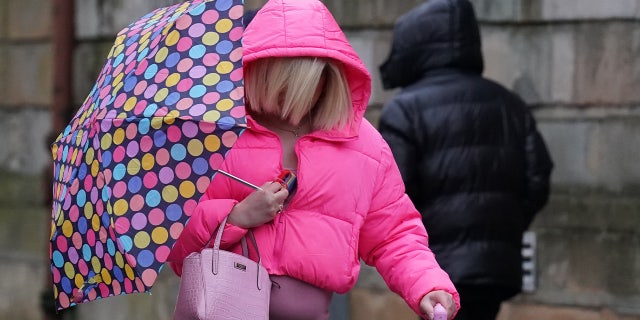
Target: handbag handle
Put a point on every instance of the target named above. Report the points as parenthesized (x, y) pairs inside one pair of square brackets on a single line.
[(216, 250)]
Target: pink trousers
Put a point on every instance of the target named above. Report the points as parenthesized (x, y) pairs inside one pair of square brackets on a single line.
[(292, 299)]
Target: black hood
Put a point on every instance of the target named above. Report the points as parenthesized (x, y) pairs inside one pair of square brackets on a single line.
[(436, 34)]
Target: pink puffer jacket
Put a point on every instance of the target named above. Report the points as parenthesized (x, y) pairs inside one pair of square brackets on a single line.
[(350, 202)]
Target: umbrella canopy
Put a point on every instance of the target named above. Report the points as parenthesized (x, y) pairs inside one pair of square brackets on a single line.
[(129, 168)]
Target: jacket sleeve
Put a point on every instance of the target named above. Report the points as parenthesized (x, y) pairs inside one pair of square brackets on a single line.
[(204, 221), (397, 128), (394, 240), (538, 171)]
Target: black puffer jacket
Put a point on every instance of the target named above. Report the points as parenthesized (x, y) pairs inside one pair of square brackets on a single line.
[(472, 159)]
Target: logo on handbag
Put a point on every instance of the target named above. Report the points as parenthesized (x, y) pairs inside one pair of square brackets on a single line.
[(240, 266)]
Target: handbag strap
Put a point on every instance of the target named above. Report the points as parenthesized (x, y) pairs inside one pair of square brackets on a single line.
[(216, 249)]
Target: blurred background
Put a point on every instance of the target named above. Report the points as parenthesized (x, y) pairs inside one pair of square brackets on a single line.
[(573, 61)]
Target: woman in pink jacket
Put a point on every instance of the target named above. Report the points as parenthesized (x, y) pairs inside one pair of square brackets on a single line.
[(306, 95)]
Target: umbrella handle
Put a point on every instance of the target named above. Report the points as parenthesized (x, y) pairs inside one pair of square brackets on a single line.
[(246, 183)]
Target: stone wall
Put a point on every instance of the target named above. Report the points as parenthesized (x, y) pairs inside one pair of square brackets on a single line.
[(574, 61)]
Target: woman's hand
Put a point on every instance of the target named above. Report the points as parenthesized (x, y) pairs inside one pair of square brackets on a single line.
[(259, 207), (434, 297)]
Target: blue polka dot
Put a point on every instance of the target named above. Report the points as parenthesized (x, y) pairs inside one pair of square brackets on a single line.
[(106, 220), (172, 59), (132, 40), (106, 158), (126, 242), (119, 171), (172, 98), (151, 71), (197, 91), (159, 138), (153, 198), (65, 152), (118, 60), (223, 5), (57, 259), (130, 83), (143, 54), (66, 284), (111, 247), (198, 10), (82, 225), (150, 110), (134, 184), (144, 125), (200, 166), (82, 171), (81, 198), (226, 123), (173, 212), (117, 273), (197, 51), (86, 252), (105, 194), (178, 152), (145, 258), (224, 86), (224, 47)]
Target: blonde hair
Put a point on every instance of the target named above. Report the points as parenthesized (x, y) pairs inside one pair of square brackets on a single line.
[(288, 88)]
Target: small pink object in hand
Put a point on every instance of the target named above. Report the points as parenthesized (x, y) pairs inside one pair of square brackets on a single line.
[(439, 312)]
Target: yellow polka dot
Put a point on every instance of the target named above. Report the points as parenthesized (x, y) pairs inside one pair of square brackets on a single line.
[(172, 38), (54, 151), (195, 147), (172, 80), (129, 272), (78, 280), (224, 104), (159, 235), (88, 156), (212, 115), (169, 193), (187, 189), (141, 239), (224, 25), (133, 167), (118, 136), (106, 141), (119, 260), (130, 103), (212, 143), (69, 271), (116, 88), (88, 210), (95, 264), (161, 95), (120, 207), (95, 168), (117, 79), (161, 54), (67, 228), (117, 49), (106, 277), (210, 38), (148, 161), (157, 122), (211, 79), (95, 223), (224, 67)]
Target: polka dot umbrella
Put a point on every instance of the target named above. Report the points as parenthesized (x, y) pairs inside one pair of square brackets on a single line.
[(143, 147)]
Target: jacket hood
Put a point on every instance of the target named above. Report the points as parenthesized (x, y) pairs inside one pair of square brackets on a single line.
[(436, 34), (294, 28)]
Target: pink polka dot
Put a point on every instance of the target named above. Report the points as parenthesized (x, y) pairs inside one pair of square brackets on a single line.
[(183, 22), (184, 104), (130, 62), (211, 98), (142, 66), (74, 214), (185, 64), (83, 269), (63, 299), (210, 16), (184, 44), (104, 289), (139, 109), (100, 206), (235, 55), (122, 225), (140, 87), (237, 94), (120, 99), (146, 143), (236, 33), (108, 262), (202, 184), (150, 180), (136, 203), (183, 170), (162, 253), (185, 85), (91, 237), (236, 12), (162, 157), (210, 59), (139, 284), (118, 154), (215, 160), (238, 112), (148, 277), (88, 183), (156, 216), (176, 230), (56, 275), (236, 75), (162, 75), (117, 70), (119, 189), (229, 138), (128, 286), (174, 134), (117, 289), (61, 244)]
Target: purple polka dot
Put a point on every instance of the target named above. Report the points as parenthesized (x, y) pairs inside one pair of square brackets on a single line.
[(139, 221)]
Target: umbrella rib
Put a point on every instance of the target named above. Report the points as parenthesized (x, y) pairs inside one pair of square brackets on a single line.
[(245, 182)]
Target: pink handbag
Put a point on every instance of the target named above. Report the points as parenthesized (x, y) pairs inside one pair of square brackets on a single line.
[(218, 284)]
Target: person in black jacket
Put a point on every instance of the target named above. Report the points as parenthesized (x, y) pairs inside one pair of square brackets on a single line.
[(469, 152)]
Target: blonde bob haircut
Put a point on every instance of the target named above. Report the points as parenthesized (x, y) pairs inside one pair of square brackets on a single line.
[(294, 87)]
